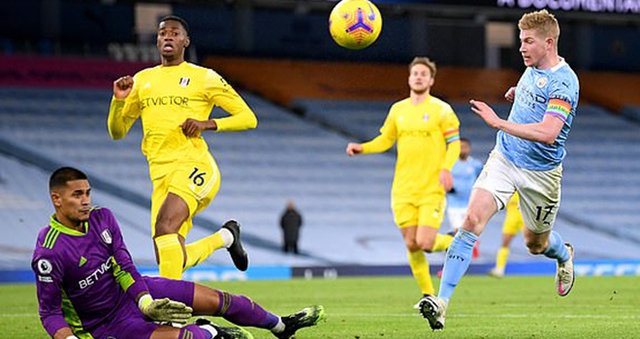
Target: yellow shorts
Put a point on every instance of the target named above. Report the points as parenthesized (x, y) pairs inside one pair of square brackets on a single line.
[(429, 212), (513, 222), (196, 182)]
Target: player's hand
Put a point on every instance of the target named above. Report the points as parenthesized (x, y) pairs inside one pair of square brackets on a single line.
[(193, 127), (166, 309), (486, 113), (353, 149), (511, 94), (122, 86), (446, 180)]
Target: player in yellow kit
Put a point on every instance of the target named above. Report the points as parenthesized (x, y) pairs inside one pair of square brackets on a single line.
[(174, 101), (425, 129), (513, 224)]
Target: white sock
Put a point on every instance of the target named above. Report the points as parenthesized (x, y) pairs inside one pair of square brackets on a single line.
[(279, 326), (227, 237)]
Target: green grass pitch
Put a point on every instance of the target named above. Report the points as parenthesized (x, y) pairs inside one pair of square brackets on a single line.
[(514, 307)]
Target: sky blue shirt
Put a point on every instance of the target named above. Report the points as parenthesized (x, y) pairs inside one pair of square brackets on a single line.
[(464, 176), (540, 92)]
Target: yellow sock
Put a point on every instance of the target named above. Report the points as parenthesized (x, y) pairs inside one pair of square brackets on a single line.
[(170, 256), (501, 259), (442, 242), (202, 249), (420, 269)]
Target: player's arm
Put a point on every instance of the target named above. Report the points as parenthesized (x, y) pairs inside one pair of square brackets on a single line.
[(379, 144), (545, 131), (132, 283), (451, 134), (218, 91), (124, 109), (49, 293)]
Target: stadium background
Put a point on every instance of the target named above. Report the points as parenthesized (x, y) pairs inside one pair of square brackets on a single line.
[(59, 58)]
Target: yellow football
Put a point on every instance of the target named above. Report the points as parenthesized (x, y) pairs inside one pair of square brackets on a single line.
[(355, 24)]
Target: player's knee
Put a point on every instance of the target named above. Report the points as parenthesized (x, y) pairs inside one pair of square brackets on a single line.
[(162, 228), (426, 245), (412, 246), (166, 225), (535, 247), (472, 221)]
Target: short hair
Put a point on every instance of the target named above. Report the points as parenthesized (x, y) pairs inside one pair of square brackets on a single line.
[(178, 19), (542, 21), (465, 140), (424, 61), (62, 175)]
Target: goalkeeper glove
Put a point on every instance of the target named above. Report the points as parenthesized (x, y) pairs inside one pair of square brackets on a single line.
[(164, 309)]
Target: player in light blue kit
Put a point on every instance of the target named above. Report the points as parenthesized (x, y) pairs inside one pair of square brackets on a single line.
[(527, 159)]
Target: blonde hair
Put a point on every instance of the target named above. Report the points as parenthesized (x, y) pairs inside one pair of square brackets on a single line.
[(424, 61), (543, 22)]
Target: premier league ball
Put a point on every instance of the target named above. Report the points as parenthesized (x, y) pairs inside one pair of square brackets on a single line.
[(355, 24)]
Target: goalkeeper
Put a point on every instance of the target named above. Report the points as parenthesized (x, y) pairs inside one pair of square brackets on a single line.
[(88, 287)]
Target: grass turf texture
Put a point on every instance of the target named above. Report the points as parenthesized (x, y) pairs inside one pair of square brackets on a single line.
[(513, 307)]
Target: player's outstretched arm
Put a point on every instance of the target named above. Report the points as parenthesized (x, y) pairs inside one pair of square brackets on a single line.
[(545, 131), (164, 309)]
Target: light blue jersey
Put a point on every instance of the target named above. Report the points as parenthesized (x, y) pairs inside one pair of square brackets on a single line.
[(539, 92), (464, 175)]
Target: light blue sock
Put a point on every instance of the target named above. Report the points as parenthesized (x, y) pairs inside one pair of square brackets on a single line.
[(457, 262), (557, 250)]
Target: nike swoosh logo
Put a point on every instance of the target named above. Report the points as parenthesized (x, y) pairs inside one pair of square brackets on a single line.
[(371, 16)]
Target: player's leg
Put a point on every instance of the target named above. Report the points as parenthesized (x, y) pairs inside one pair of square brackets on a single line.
[(169, 243), (430, 217), (491, 191), (130, 323), (406, 217), (203, 183), (539, 204), (237, 309), (243, 311), (482, 207)]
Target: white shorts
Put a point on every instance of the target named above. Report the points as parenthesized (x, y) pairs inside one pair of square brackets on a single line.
[(456, 216), (539, 190)]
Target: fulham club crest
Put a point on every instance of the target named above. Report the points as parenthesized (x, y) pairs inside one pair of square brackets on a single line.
[(184, 82), (106, 237)]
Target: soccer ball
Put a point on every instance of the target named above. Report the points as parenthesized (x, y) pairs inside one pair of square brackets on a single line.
[(355, 24)]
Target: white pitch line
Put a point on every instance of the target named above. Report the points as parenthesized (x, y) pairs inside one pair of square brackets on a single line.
[(471, 315), (406, 315)]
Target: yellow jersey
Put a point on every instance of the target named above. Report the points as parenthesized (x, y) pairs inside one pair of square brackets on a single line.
[(163, 97), (428, 140)]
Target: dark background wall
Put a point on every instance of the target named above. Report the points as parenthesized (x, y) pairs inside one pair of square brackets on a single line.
[(452, 35)]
